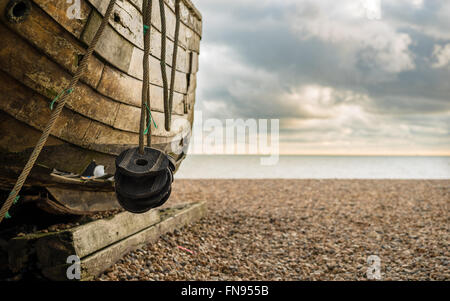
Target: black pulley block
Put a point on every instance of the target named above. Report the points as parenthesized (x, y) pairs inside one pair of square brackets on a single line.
[(143, 181)]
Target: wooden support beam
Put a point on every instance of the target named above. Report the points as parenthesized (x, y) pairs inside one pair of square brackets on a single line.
[(98, 244)]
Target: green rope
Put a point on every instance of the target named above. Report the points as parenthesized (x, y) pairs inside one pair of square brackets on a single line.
[(58, 96), (150, 120), (16, 199), (7, 215)]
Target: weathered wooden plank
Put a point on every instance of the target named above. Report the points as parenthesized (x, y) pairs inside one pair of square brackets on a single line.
[(18, 139), (103, 139), (182, 54), (170, 15), (111, 46), (58, 11), (71, 127), (21, 251), (127, 21), (30, 108), (94, 264), (182, 40), (53, 42), (190, 16), (123, 54), (191, 7), (37, 72), (128, 90), (98, 136), (194, 62), (126, 121), (46, 35), (137, 4), (192, 83), (77, 201), (87, 239), (156, 17), (190, 104), (45, 77), (136, 70), (103, 242), (193, 41), (94, 73)]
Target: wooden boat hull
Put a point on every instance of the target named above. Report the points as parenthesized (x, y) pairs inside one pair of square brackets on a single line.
[(38, 57)]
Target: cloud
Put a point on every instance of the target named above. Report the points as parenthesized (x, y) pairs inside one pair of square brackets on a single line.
[(441, 55), (351, 24), (319, 102), (369, 74)]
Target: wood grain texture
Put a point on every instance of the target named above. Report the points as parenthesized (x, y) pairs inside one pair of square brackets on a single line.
[(101, 117), (54, 248), (18, 139), (127, 89), (98, 262), (33, 109), (37, 72), (58, 10), (89, 238), (121, 53), (53, 41), (119, 91)]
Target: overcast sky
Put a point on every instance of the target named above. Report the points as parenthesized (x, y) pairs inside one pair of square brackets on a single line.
[(343, 77)]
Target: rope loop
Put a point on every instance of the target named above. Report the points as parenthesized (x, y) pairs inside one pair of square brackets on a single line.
[(68, 91), (150, 119), (7, 215)]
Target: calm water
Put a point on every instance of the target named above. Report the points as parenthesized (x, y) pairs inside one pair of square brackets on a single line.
[(315, 167)]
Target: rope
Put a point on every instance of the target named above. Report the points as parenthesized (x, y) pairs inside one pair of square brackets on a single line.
[(146, 9), (168, 100), (7, 215), (58, 96), (175, 53), (54, 116), (167, 112), (149, 120)]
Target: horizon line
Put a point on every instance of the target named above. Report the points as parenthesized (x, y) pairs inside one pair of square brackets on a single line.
[(331, 155)]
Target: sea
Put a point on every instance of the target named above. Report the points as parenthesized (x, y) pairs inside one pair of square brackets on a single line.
[(314, 167)]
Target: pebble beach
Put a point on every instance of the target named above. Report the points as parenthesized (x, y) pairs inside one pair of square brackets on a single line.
[(301, 230)]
